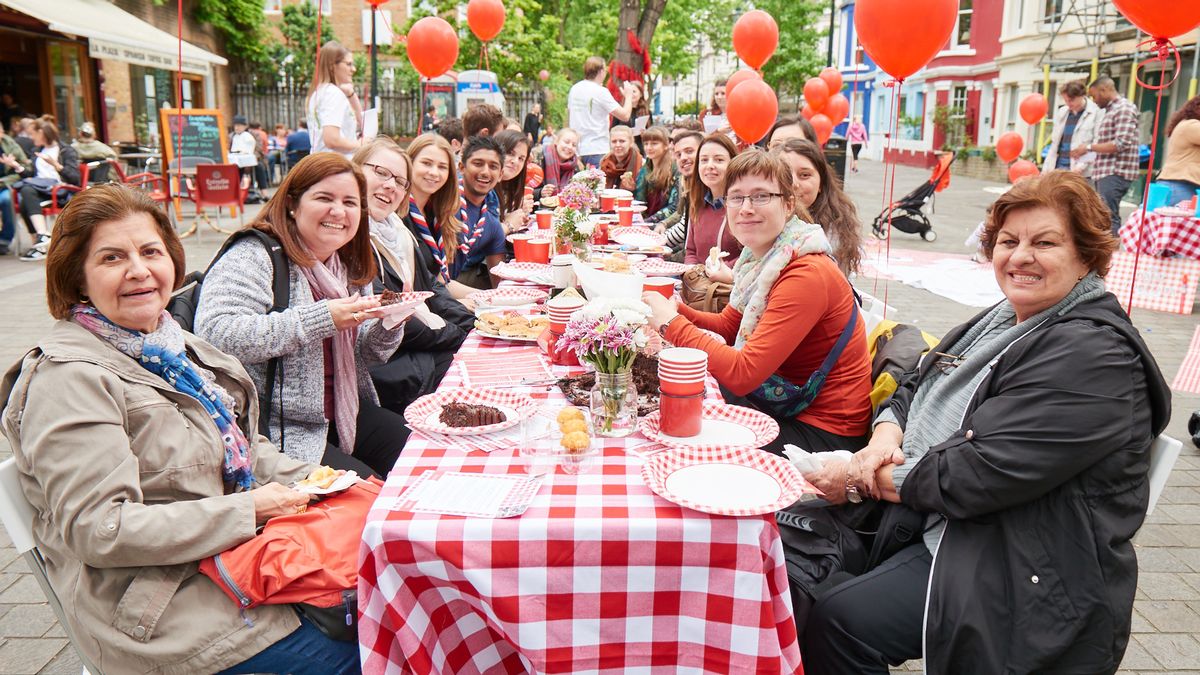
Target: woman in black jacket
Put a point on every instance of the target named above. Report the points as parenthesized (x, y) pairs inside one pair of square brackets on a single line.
[(54, 163), (1024, 438)]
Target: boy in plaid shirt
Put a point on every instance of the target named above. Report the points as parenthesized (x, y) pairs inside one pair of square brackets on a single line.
[(1115, 145)]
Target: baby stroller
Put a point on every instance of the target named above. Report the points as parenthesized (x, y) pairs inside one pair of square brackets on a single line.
[(906, 214)]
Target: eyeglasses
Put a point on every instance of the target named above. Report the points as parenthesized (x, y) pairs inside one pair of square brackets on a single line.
[(384, 175), (757, 199)]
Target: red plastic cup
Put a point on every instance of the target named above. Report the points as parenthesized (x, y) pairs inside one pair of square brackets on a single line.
[(607, 200), (680, 415), (600, 233), (681, 374), (681, 388), (625, 216), (539, 250), (621, 202), (544, 219), (683, 356), (520, 244), (664, 286)]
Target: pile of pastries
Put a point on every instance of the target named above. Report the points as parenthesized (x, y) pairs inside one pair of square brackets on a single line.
[(574, 430), (511, 324)]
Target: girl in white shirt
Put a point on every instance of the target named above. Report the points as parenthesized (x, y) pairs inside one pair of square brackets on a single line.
[(334, 111)]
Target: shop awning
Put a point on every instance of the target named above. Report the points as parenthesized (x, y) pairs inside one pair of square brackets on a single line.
[(115, 34)]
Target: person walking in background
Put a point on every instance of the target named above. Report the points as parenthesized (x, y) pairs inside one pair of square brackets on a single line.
[(298, 144), (262, 145), (276, 145), (1115, 145), (13, 162), (429, 121), (856, 134), (1181, 170), (1074, 126), (533, 122), (589, 104), (334, 111)]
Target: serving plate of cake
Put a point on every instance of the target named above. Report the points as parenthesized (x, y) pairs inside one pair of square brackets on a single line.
[(468, 412)]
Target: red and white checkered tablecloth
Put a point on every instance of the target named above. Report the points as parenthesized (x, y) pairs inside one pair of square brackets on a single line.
[(1161, 235), (599, 575)]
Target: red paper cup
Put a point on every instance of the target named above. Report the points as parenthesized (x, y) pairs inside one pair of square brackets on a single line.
[(600, 234), (620, 202), (521, 251), (683, 356), (664, 286), (625, 216), (539, 250), (681, 375), (606, 201), (681, 389), (544, 219), (680, 416)]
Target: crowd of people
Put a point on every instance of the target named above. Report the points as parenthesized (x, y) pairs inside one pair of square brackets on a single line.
[(145, 447)]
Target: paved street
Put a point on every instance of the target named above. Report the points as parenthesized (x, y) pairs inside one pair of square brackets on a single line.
[(1167, 610)]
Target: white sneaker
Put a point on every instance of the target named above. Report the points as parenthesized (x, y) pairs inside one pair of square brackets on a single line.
[(38, 252)]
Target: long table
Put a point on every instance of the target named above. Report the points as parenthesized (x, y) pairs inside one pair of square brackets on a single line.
[(599, 575)]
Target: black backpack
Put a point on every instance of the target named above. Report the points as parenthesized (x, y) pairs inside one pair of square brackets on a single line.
[(184, 301)]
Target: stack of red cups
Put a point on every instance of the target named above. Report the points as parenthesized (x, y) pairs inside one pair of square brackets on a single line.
[(681, 374)]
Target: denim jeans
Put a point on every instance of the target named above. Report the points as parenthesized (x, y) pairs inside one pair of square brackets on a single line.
[(1181, 190), (591, 161), (8, 228), (1111, 189), (307, 651)]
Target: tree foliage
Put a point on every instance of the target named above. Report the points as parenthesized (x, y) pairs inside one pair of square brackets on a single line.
[(242, 25), (797, 57), (296, 55)]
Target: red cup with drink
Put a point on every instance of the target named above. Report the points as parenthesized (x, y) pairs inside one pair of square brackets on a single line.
[(538, 250), (545, 219), (664, 286), (625, 216)]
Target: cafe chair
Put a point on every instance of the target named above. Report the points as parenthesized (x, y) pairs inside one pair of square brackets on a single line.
[(1163, 453), (153, 184), (217, 185), (59, 194), (18, 514)]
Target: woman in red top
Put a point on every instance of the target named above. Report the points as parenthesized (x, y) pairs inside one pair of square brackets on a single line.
[(789, 310)]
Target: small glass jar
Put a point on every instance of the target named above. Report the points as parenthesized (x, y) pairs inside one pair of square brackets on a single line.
[(614, 404)]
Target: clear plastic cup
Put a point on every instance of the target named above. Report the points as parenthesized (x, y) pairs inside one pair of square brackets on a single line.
[(537, 449)]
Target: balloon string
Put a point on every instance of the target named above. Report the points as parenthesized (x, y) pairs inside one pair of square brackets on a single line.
[(179, 100), (891, 190), (1137, 249), (1163, 49)]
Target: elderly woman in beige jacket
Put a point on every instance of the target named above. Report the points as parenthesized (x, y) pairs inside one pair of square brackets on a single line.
[(136, 446)]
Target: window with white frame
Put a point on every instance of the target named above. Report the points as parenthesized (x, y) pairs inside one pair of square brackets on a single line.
[(1052, 11), (326, 5), (958, 100), (962, 29), (1014, 102), (1016, 17)]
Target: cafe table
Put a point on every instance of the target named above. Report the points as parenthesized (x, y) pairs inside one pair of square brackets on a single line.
[(1162, 234), (598, 575)]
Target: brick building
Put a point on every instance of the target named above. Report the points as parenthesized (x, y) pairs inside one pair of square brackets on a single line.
[(111, 63), (350, 21)]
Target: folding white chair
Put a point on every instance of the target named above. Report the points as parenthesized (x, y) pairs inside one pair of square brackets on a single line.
[(17, 514), (1163, 453)]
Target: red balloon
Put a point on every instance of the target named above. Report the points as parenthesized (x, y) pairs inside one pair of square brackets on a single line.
[(432, 46), (837, 108), (751, 110), (807, 112), (901, 37), (833, 78), (738, 78), (543, 74), (1009, 146), (377, 3), (1022, 169), (486, 18), (816, 93), (755, 36), (823, 126), (1161, 18), (1033, 108)]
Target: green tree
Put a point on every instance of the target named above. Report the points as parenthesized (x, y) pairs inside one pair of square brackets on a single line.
[(242, 25), (296, 55), (797, 57)]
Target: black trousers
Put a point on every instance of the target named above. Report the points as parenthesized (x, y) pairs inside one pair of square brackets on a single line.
[(31, 199), (379, 437), (864, 624), (804, 436)]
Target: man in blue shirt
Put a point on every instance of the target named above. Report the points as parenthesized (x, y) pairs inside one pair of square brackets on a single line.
[(482, 240), (298, 144)]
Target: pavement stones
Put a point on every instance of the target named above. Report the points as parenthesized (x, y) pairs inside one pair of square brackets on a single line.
[(1166, 615)]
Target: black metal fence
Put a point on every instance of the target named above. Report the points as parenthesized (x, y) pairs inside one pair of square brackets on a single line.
[(399, 114)]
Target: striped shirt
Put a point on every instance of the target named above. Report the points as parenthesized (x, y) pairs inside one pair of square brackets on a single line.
[(1119, 125)]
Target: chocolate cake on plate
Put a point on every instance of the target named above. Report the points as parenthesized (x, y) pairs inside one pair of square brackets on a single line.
[(469, 415), (389, 297)]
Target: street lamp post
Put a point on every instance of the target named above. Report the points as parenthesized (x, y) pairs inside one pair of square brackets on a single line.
[(832, 15)]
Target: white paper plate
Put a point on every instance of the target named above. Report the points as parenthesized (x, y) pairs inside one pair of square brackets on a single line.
[(737, 481), (722, 425), (343, 482)]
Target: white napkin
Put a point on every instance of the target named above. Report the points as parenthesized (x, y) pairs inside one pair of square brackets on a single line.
[(600, 284), (809, 462), (391, 321), (713, 264)]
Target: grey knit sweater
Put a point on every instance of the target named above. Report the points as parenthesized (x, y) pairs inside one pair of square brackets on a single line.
[(233, 316)]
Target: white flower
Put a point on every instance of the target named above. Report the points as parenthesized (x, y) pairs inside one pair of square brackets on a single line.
[(629, 317), (640, 340), (585, 227)]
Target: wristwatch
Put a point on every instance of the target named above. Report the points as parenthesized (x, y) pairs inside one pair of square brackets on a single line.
[(852, 494), (662, 330), (1089, 147)]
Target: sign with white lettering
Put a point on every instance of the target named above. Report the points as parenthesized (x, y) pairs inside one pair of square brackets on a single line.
[(101, 49)]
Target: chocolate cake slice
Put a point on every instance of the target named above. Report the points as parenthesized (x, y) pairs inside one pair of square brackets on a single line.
[(389, 297), (468, 415)]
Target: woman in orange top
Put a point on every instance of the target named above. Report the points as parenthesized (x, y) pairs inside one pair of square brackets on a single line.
[(791, 315)]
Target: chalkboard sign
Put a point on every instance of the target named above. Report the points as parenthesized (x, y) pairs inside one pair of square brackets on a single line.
[(193, 133)]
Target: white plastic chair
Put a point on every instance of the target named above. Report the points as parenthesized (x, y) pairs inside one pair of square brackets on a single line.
[(1163, 453), (17, 514)]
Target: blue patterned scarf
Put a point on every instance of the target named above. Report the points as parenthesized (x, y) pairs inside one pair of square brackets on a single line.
[(162, 353)]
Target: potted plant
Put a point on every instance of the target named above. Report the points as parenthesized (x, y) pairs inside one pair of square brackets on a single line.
[(607, 335)]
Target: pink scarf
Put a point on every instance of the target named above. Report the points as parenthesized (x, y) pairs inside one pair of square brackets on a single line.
[(329, 279)]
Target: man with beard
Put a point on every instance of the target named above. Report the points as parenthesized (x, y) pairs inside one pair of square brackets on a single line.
[(481, 245), (684, 144)]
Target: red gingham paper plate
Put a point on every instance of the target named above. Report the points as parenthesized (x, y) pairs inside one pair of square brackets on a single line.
[(520, 271), (407, 302), (655, 267), (423, 413), (728, 481), (509, 295), (637, 236), (723, 425)]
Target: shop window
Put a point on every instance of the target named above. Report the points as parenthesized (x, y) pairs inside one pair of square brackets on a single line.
[(273, 6), (152, 90), (72, 106)]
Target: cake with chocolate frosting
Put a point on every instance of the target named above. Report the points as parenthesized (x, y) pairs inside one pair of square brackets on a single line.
[(469, 415)]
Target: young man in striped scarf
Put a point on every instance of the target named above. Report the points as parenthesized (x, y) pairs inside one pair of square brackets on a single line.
[(481, 245)]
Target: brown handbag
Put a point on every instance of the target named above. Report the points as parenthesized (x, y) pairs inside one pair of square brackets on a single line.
[(700, 292)]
